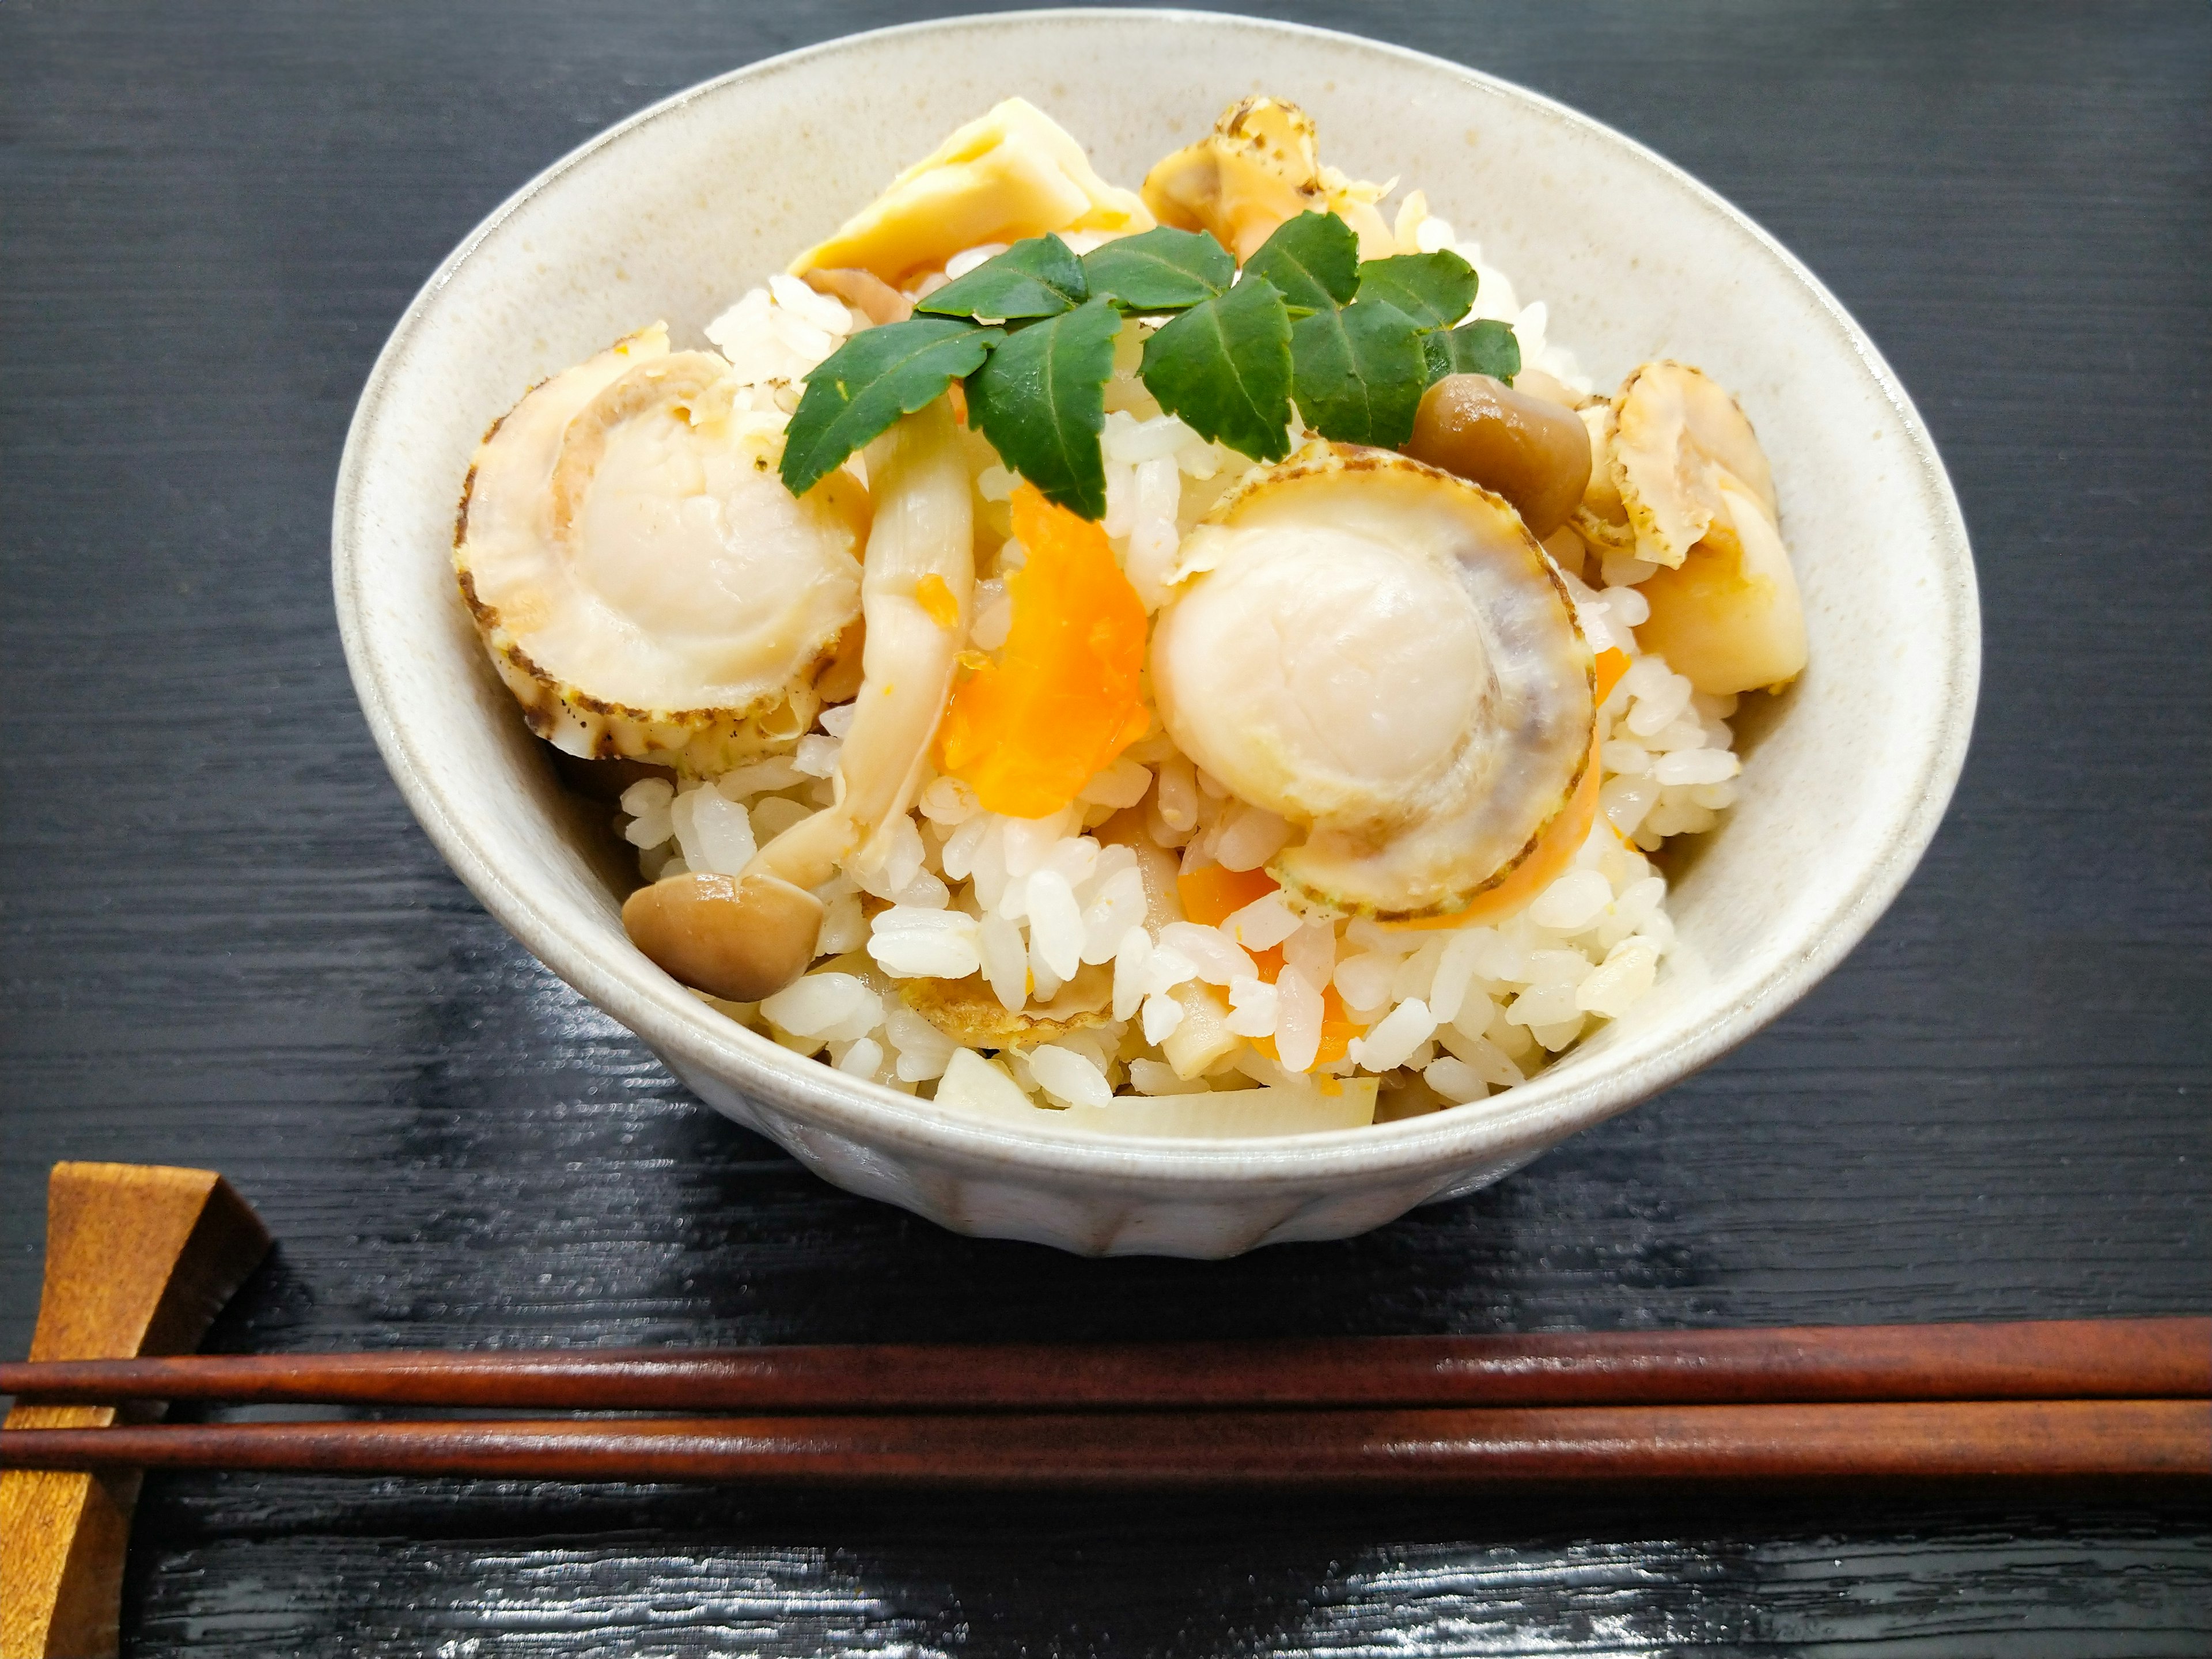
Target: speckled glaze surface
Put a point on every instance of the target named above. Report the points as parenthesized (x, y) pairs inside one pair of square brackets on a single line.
[(677, 211)]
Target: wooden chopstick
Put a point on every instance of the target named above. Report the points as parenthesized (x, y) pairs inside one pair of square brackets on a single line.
[(2138, 1358), (1357, 1448)]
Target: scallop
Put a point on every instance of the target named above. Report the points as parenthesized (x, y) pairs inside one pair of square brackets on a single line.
[(1378, 652), (1677, 437), (1601, 520), (1259, 166), (1696, 485), (643, 582), (1729, 616)]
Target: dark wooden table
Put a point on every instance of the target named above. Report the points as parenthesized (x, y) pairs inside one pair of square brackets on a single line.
[(224, 942)]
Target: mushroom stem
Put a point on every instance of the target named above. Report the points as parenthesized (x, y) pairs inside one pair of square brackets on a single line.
[(920, 547)]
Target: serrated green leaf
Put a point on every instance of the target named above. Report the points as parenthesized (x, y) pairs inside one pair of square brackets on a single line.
[(1038, 277), (1224, 368), (1435, 289), (867, 383), (1162, 269), (1041, 400), (1358, 372), (1313, 260), (1485, 347)]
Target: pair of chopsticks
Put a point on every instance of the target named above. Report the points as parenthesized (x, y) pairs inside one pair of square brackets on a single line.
[(2053, 1399)]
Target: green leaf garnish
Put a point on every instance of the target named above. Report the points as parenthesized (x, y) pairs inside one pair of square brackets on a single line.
[(1485, 347), (1162, 270), (1038, 277), (1358, 372), (868, 382), (1313, 259), (1224, 368), (1041, 400), (1435, 289), (1358, 344)]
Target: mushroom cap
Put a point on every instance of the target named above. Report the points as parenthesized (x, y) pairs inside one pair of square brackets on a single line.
[(1532, 449), (740, 937)]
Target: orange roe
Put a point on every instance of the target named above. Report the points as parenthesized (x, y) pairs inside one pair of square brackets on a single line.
[(1029, 730)]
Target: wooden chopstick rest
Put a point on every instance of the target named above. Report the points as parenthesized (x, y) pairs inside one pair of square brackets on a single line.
[(139, 1260)]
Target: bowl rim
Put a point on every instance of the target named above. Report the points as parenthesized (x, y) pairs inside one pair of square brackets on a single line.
[(678, 1027)]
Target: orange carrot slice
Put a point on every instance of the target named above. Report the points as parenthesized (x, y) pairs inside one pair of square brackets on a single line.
[(1611, 663), (1029, 730), (1337, 1026), (1211, 895)]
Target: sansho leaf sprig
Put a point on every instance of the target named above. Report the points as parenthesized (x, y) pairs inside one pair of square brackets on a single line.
[(1031, 333)]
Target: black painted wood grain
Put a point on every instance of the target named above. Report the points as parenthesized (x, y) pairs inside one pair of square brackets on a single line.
[(224, 942)]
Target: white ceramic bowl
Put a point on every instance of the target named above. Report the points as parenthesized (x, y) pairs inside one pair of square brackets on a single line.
[(679, 208)]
